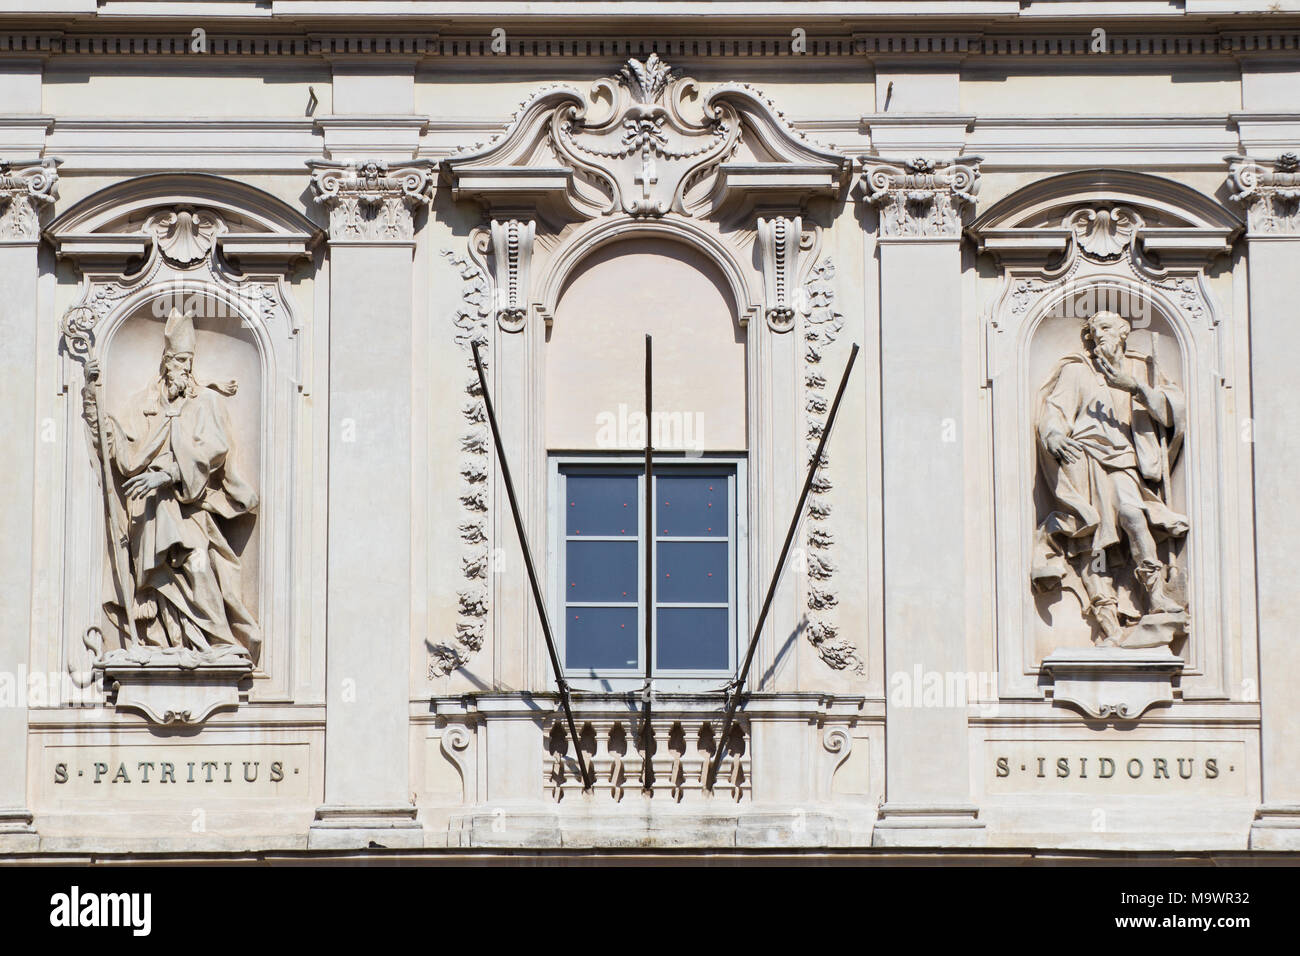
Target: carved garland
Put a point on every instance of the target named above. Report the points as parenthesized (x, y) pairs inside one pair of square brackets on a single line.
[(822, 325), (472, 322)]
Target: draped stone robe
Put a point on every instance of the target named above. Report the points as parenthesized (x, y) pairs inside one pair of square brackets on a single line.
[(179, 554), (1119, 435)]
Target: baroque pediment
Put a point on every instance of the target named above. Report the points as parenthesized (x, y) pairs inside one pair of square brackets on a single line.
[(1105, 215), (181, 219), (645, 143)]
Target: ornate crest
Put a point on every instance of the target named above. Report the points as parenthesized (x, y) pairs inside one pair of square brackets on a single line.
[(646, 150)]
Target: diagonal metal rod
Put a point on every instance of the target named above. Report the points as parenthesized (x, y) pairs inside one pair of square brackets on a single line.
[(587, 782), (647, 691), (736, 688)]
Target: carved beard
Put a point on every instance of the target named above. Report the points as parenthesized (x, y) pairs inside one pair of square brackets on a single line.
[(177, 384)]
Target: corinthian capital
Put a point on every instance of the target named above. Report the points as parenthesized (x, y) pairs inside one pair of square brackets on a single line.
[(369, 200), (920, 197), (24, 189), (1270, 192)]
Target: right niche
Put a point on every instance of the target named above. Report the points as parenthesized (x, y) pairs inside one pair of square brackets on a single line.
[(1103, 343)]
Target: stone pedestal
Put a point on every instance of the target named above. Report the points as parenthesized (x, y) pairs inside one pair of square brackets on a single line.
[(1112, 682), (168, 693)]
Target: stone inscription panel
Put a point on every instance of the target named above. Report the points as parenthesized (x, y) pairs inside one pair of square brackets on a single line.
[(176, 771), (1181, 768)]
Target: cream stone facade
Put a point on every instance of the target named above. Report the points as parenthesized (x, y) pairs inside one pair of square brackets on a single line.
[(261, 583)]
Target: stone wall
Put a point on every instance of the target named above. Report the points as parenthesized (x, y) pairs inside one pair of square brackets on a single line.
[(262, 584)]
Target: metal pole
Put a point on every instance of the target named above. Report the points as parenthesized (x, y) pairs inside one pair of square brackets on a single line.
[(647, 690), (736, 687), (587, 782)]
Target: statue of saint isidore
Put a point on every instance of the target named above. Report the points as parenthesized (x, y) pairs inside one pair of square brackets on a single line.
[(1109, 428)]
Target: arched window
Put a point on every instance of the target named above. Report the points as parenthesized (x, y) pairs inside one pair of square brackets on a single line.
[(596, 432)]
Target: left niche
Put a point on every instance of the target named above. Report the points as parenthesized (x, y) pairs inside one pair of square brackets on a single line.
[(182, 370)]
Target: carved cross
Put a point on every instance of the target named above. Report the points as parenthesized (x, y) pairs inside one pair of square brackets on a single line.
[(648, 175)]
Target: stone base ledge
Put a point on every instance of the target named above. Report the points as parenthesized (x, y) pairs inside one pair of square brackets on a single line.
[(1276, 827), (928, 825), (356, 827), (532, 828), (17, 835)]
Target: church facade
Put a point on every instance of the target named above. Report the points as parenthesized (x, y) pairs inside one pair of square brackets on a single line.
[(414, 409)]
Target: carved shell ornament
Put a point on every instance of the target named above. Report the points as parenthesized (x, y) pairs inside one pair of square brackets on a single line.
[(1104, 233), (185, 236)]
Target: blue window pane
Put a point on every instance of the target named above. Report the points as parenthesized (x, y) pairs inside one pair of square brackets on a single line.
[(600, 571), (691, 572), (691, 505), (692, 638), (601, 505), (600, 638)]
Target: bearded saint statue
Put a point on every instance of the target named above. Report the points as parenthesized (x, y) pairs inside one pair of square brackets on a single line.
[(1109, 429), (171, 449)]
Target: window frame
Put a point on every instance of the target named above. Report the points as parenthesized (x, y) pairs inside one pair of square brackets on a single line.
[(631, 679)]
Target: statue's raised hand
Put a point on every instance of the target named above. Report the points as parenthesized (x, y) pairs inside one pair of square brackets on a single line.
[(1117, 377)]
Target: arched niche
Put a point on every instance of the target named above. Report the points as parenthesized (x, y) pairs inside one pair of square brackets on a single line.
[(1064, 248), (618, 293), (1051, 334), (222, 251), (228, 348)]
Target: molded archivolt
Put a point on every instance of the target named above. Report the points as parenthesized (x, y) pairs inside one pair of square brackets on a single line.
[(1069, 246), (223, 248)]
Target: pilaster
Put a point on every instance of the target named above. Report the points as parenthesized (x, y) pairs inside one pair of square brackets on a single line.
[(27, 190), (922, 205), (1270, 194), (372, 209)]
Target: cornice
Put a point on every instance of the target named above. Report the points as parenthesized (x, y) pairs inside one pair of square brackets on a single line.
[(418, 39)]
